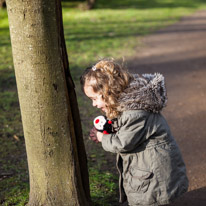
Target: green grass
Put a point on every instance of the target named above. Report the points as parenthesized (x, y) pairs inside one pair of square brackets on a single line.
[(112, 29), (103, 188), (115, 30)]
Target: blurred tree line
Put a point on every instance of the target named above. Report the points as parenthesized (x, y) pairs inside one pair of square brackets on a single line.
[(88, 4)]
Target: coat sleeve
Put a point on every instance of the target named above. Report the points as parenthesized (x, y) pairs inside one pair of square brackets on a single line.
[(128, 137)]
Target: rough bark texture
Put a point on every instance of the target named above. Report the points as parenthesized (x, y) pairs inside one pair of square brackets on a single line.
[(48, 104)]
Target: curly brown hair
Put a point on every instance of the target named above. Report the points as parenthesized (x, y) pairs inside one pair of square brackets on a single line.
[(109, 79)]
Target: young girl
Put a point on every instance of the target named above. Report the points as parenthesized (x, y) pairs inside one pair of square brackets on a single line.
[(151, 168)]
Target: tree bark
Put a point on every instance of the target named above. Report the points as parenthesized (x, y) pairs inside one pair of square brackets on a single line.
[(52, 129)]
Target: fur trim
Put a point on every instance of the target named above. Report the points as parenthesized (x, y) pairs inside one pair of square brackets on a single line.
[(146, 92)]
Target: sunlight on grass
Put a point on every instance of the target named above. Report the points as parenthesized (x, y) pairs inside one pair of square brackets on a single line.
[(116, 32)]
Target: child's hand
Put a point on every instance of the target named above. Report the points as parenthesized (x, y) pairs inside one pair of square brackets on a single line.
[(99, 136), (93, 135)]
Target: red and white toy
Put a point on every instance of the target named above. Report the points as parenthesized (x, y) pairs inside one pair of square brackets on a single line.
[(102, 124)]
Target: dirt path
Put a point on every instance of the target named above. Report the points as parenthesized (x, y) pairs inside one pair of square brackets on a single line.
[(179, 52)]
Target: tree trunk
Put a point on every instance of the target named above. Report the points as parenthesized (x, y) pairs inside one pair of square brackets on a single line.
[(90, 4), (52, 129)]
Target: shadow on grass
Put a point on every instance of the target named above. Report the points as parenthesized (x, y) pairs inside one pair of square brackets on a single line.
[(108, 35), (7, 80), (125, 29), (13, 165)]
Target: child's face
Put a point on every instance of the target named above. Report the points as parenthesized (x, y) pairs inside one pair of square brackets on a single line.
[(96, 98)]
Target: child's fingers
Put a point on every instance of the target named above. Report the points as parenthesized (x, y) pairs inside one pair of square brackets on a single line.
[(93, 138), (93, 135), (93, 132)]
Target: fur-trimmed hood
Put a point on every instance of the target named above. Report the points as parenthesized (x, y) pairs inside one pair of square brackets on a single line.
[(146, 92)]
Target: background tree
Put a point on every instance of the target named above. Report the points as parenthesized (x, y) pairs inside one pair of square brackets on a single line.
[(87, 4), (90, 4), (55, 149), (2, 3)]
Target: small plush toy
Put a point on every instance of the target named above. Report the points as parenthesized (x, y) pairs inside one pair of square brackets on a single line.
[(102, 124)]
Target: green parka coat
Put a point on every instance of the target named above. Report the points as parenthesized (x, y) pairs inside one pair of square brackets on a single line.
[(151, 168)]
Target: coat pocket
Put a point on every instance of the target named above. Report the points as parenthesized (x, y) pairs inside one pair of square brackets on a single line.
[(139, 180)]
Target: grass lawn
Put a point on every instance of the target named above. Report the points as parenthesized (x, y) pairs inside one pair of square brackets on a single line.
[(112, 29)]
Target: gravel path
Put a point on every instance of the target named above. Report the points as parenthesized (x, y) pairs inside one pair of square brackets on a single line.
[(179, 52)]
